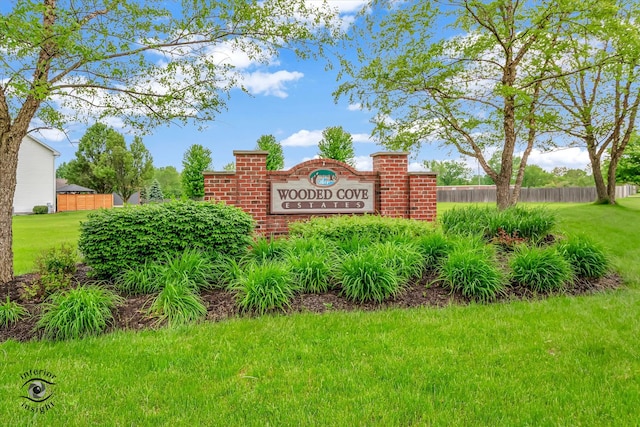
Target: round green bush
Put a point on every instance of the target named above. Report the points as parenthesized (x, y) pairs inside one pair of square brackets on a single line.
[(116, 240), (364, 276), (540, 269), (472, 272), (587, 258), (83, 311)]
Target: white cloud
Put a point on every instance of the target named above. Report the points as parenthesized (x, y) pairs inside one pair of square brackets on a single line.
[(261, 83), (345, 6), (303, 138), (572, 158), (416, 167), (354, 107), (363, 163), (361, 137), (54, 135)]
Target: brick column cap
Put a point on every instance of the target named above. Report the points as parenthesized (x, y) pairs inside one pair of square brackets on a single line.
[(218, 172), (390, 153), (250, 152), (422, 173)]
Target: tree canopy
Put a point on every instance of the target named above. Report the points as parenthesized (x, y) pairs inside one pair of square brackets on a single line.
[(337, 144), (479, 90), (275, 158), (145, 63), (196, 160)]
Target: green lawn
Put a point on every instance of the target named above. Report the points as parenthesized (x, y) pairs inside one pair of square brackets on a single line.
[(34, 233), (560, 361)]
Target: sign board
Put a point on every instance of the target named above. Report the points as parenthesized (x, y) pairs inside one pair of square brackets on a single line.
[(322, 192)]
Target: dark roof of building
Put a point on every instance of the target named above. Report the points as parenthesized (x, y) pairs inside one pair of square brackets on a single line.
[(73, 188)]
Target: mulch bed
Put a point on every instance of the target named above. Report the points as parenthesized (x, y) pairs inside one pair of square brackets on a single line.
[(133, 313)]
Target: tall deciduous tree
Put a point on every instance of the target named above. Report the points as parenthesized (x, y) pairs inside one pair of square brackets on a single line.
[(478, 91), (450, 172), (275, 158), (196, 160), (169, 179), (131, 168), (337, 144), (599, 105), (145, 62), (629, 166)]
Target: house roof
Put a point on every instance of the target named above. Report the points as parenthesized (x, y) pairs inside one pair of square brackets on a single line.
[(55, 153), (74, 188)]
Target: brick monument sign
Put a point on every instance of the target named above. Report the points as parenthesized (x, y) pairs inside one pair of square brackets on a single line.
[(322, 187)]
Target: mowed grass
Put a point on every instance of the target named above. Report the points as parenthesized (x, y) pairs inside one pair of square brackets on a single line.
[(559, 361), (33, 234)]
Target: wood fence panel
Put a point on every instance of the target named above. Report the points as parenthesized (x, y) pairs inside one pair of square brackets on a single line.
[(542, 195), (84, 202)]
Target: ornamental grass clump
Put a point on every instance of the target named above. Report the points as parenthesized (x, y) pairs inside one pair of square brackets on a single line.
[(364, 276), (312, 270), (79, 312), (265, 286), (11, 312), (404, 258), (140, 280), (178, 304), (473, 272), (190, 267), (540, 269), (266, 249), (587, 259), (434, 247)]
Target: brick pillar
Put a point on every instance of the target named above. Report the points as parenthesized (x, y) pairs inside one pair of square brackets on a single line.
[(394, 183), (252, 186), (422, 196)]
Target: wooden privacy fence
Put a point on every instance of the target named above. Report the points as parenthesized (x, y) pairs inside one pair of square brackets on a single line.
[(84, 202), (481, 194)]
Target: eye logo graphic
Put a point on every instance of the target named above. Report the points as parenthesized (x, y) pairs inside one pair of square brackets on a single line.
[(37, 390)]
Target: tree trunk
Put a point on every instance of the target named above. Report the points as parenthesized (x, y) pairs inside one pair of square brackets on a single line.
[(611, 181), (602, 196), (503, 194), (9, 146)]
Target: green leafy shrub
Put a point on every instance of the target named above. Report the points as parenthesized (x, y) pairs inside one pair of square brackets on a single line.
[(40, 209), (312, 269), (540, 269), (11, 312), (365, 277), (118, 239), (61, 259), (473, 272), (404, 258), (178, 304), (354, 244), (532, 224), (372, 227), (265, 286), (79, 312), (586, 258)]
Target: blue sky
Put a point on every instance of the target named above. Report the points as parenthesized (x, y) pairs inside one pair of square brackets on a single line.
[(291, 99)]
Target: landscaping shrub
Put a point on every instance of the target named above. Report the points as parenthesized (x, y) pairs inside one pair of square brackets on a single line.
[(434, 247), (115, 240), (312, 269), (226, 271), (11, 312), (40, 209), (178, 304), (404, 258), (265, 286), (56, 267), (354, 244), (372, 227), (532, 224), (586, 258), (265, 249), (83, 311), (473, 272), (365, 277), (142, 279), (540, 269)]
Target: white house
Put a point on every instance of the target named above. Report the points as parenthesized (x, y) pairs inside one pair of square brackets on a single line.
[(36, 178)]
